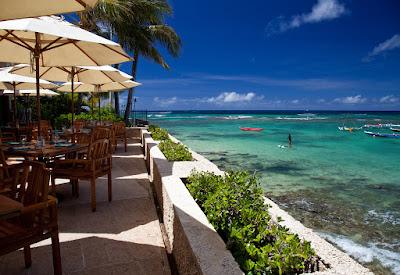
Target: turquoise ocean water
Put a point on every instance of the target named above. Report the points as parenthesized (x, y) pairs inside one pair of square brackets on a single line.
[(345, 185)]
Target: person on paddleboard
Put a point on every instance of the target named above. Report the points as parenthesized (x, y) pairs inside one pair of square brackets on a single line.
[(290, 140)]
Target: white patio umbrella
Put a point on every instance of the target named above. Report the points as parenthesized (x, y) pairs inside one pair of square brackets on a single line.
[(42, 92), (98, 88), (84, 74), (15, 9), (81, 74), (52, 41), (9, 81)]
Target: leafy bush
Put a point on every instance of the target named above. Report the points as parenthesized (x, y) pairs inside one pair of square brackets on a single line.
[(175, 151), (153, 127), (234, 205), (159, 133), (106, 114)]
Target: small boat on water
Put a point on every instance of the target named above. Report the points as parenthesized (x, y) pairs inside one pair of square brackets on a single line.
[(374, 134), (251, 129), (395, 129)]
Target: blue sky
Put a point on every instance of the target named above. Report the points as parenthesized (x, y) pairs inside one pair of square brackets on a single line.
[(311, 54)]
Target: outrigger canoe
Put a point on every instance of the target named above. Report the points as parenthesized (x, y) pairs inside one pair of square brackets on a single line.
[(251, 129), (382, 135)]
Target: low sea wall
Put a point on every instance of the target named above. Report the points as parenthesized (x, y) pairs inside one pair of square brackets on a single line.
[(192, 241), (194, 244)]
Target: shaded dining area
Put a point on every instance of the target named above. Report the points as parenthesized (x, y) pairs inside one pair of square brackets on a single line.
[(121, 236), (74, 191)]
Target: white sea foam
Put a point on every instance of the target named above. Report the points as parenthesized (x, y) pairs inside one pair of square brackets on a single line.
[(366, 254), (307, 114), (387, 217), (300, 118), (236, 117)]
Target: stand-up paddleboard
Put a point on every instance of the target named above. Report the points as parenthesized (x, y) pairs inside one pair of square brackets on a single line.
[(251, 129)]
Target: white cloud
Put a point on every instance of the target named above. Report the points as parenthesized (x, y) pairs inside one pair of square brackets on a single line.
[(358, 99), (390, 44), (389, 99), (295, 101), (231, 97), (165, 101), (323, 10)]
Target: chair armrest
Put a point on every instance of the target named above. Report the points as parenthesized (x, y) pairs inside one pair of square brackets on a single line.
[(61, 162), (34, 207), (51, 201)]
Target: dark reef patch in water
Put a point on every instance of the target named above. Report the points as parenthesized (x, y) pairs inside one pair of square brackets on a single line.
[(330, 213)]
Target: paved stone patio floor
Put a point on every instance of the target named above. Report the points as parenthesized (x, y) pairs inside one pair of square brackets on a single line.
[(121, 237)]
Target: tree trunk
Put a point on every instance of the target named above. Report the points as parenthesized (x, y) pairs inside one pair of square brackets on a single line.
[(130, 93), (116, 97)]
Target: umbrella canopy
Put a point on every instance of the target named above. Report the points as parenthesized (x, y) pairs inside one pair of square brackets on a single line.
[(12, 81), (80, 87), (43, 92), (98, 88), (13, 9), (52, 41), (55, 42), (84, 74)]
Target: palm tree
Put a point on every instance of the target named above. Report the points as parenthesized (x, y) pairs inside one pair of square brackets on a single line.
[(139, 26)]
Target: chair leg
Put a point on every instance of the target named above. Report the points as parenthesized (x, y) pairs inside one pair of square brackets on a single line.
[(109, 186), (77, 188), (53, 185), (73, 187), (55, 246), (27, 256), (93, 193)]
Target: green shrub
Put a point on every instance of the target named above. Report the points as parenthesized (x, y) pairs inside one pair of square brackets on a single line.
[(160, 134), (175, 151), (153, 127), (234, 205), (106, 114)]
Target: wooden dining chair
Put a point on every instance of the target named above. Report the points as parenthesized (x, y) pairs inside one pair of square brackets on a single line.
[(7, 136), (97, 163), (46, 131), (37, 220), (101, 132), (120, 134), (8, 174), (78, 125)]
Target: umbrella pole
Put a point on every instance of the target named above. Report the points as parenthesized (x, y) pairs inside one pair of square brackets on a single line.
[(99, 110), (37, 55), (92, 100), (72, 101), (15, 106)]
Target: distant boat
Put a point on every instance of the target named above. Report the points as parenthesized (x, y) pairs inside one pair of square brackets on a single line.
[(251, 129), (382, 135), (395, 129), (380, 125)]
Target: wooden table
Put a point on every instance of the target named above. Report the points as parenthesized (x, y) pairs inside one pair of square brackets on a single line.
[(9, 208), (48, 151)]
